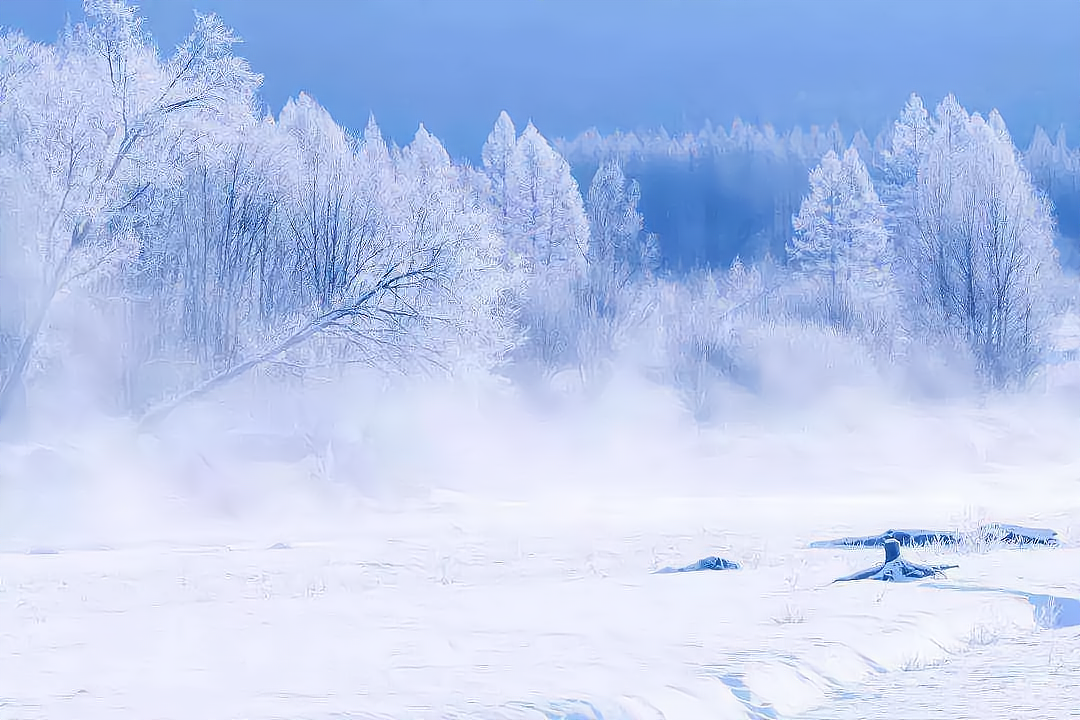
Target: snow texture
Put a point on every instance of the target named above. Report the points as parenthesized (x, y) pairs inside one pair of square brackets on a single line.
[(529, 601)]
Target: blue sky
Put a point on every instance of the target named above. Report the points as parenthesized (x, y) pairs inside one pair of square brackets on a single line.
[(572, 64)]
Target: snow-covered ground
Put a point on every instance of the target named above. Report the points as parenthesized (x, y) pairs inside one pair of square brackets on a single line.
[(463, 609), (516, 580)]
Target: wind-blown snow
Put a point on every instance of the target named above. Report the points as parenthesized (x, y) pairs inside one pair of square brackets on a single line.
[(512, 578)]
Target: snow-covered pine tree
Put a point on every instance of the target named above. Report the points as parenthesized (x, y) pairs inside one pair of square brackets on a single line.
[(1055, 169), (497, 154), (1040, 158), (621, 260), (541, 216), (619, 252), (907, 145), (905, 149), (536, 201), (547, 222), (840, 242)]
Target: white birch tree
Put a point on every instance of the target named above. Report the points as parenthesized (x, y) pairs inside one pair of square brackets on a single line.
[(99, 123)]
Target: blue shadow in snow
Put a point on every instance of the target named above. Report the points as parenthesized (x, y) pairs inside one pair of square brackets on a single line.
[(1052, 612), (710, 563), (742, 693)]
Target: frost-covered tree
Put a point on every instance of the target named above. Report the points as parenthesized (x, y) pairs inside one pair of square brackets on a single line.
[(547, 225), (212, 269), (905, 149), (840, 241), (536, 200), (396, 259), (620, 252), (906, 146), (622, 258), (986, 270), (541, 216), (497, 154), (94, 127), (863, 145), (1041, 157), (471, 305), (337, 202), (205, 238), (834, 138), (1055, 169)]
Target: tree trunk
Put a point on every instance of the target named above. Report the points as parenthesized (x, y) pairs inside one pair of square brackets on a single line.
[(159, 413), (14, 379)]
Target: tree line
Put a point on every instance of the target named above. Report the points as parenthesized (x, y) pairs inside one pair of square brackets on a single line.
[(160, 236)]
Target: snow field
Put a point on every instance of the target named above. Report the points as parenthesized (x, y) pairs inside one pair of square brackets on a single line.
[(509, 577), (464, 609)]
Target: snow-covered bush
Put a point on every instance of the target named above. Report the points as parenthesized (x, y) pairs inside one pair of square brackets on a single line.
[(695, 338)]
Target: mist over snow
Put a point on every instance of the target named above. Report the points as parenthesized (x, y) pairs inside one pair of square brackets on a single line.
[(301, 416)]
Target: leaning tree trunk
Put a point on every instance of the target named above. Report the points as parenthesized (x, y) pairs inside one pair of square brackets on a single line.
[(160, 412), (14, 379), (392, 281)]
